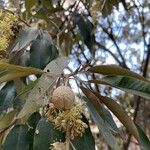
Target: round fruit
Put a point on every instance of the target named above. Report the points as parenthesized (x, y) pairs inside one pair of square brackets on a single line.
[(63, 98)]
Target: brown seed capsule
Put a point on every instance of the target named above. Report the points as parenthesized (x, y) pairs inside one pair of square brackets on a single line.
[(63, 98)]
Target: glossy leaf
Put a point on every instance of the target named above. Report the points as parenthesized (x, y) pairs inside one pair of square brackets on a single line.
[(102, 111), (115, 70), (86, 142), (110, 121), (144, 141), (128, 84), (39, 96), (17, 138), (10, 72), (120, 114), (42, 51), (7, 119), (45, 135), (102, 125), (7, 95)]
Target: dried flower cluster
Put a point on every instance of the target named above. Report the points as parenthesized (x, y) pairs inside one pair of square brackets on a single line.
[(58, 146), (6, 22), (66, 117), (70, 117)]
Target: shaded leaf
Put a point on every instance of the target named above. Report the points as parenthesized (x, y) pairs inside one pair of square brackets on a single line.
[(86, 142), (24, 38), (22, 95), (25, 59), (115, 70), (86, 30), (102, 125), (10, 72), (144, 141), (17, 138), (7, 95), (39, 97), (45, 135), (7, 119), (42, 51), (32, 123)]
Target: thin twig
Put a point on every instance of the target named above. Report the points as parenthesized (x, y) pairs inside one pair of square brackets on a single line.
[(68, 134)]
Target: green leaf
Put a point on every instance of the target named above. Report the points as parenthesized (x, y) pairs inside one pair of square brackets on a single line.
[(144, 141), (102, 111), (7, 119), (110, 121), (32, 123), (120, 114), (42, 51), (24, 59), (86, 142), (10, 72), (45, 135), (24, 38), (86, 30), (17, 138), (7, 95), (102, 125), (115, 70), (128, 84), (40, 94), (22, 94)]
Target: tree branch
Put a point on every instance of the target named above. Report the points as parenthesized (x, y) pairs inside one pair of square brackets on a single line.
[(111, 36)]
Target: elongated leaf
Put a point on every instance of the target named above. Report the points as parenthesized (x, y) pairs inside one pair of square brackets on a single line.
[(120, 114), (86, 30), (144, 141), (17, 138), (10, 72), (7, 95), (42, 51), (109, 119), (22, 94), (39, 97), (102, 125), (102, 111), (115, 70), (86, 142), (45, 135), (24, 38), (128, 84), (7, 119)]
